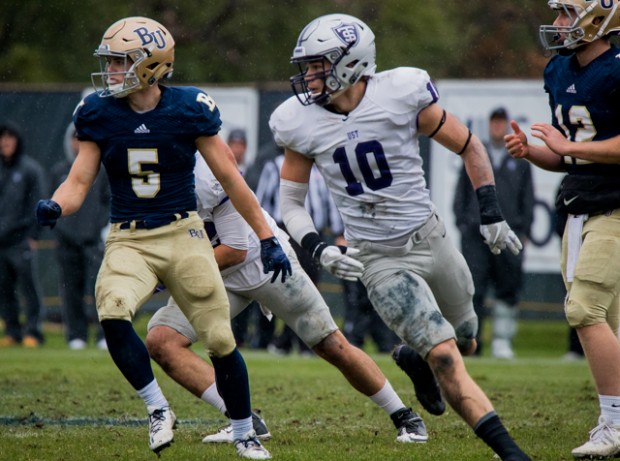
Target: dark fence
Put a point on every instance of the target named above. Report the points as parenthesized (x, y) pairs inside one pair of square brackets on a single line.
[(42, 115)]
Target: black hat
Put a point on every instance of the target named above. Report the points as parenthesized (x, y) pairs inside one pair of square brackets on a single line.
[(238, 134), (499, 112)]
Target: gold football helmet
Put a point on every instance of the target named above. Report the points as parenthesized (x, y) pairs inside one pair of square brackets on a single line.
[(147, 48), (591, 20)]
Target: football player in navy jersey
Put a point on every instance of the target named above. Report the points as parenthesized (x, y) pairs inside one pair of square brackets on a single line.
[(583, 140), (146, 135), (361, 129)]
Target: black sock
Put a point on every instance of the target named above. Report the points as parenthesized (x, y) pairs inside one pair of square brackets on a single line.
[(231, 377), (128, 352), (491, 430)]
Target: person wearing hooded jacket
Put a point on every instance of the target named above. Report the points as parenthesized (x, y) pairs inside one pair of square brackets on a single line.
[(80, 250), (21, 184)]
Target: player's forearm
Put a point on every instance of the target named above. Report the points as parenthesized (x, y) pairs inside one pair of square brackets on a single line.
[(607, 151), (544, 158), (295, 217), (248, 207), (477, 164), (70, 196), (226, 256)]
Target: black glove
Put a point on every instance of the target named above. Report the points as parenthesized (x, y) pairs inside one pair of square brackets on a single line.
[(48, 213), (274, 259)]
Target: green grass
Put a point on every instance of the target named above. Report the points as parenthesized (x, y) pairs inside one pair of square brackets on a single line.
[(63, 405)]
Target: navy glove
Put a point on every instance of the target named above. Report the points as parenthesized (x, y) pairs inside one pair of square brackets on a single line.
[(48, 213), (274, 259)]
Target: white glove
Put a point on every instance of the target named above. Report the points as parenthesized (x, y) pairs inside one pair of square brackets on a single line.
[(499, 236), (343, 266)]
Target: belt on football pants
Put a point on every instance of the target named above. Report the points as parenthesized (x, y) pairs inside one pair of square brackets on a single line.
[(154, 222)]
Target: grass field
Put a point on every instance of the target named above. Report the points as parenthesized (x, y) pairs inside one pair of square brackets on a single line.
[(63, 405)]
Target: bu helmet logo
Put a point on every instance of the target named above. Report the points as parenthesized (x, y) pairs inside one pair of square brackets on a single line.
[(347, 33), (151, 37)]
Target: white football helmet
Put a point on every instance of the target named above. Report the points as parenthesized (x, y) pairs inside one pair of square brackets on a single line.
[(346, 43), (591, 20), (147, 48)]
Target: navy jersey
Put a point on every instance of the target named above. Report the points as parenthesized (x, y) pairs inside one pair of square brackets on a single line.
[(585, 106), (149, 157)]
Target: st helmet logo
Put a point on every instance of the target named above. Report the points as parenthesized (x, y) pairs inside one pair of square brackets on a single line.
[(347, 33), (147, 37)]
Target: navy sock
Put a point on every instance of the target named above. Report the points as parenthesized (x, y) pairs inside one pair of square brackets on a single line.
[(491, 430), (231, 377), (128, 352)]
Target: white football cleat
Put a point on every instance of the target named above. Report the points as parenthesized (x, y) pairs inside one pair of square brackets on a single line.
[(161, 424), (77, 344), (502, 349), (224, 435), (604, 442), (249, 447)]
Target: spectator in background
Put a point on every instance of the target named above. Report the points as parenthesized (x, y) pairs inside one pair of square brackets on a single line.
[(238, 143), (21, 184), (504, 272), (80, 251), (326, 217)]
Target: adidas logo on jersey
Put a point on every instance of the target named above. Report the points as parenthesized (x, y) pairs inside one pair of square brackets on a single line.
[(142, 129), (571, 89)]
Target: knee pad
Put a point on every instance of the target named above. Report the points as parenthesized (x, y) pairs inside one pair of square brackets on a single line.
[(219, 342), (466, 335), (587, 304), (115, 304)]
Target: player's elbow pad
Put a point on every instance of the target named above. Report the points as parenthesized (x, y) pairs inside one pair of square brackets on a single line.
[(295, 217)]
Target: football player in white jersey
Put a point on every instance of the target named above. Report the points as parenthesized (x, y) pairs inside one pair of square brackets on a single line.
[(361, 130), (297, 301)]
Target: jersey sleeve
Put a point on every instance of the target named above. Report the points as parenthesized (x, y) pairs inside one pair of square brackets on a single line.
[(288, 124), (231, 228), (203, 115), (85, 118), (412, 90)]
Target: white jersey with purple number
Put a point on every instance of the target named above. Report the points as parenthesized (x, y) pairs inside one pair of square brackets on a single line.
[(370, 158), (226, 226)]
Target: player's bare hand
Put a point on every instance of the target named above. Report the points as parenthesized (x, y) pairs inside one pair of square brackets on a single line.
[(553, 138), (516, 142)]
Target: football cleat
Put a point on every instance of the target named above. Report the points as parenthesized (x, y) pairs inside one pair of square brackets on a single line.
[(161, 424), (77, 344), (502, 349), (224, 435), (411, 428), (604, 442), (424, 383), (249, 447)]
